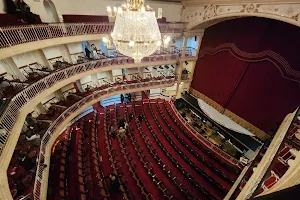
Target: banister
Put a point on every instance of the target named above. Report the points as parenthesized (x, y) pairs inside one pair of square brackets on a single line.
[(14, 35), (11, 113)]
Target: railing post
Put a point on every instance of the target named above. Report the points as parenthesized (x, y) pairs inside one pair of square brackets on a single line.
[(5, 37), (33, 28)]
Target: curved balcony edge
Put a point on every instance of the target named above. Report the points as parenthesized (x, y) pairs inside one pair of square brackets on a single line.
[(42, 174), (15, 40), (24, 102)]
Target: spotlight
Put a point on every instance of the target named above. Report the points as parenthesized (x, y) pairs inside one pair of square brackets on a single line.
[(166, 66), (172, 66), (147, 68), (160, 67), (186, 63), (155, 68), (195, 38)]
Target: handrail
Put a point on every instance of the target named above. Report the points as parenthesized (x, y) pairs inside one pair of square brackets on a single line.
[(14, 35), (10, 115), (204, 141), (96, 95)]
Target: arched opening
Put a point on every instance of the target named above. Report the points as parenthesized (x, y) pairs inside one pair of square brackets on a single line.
[(51, 11)]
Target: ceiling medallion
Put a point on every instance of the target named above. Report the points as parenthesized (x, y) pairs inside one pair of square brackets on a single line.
[(136, 33)]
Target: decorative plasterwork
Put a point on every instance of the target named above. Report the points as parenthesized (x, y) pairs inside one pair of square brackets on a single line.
[(197, 15)]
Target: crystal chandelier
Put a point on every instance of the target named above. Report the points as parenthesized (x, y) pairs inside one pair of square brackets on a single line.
[(136, 33)]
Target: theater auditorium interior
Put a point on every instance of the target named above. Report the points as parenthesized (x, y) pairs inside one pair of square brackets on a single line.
[(149, 100)]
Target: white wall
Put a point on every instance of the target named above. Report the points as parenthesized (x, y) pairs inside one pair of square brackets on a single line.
[(101, 75), (67, 87), (2, 69), (75, 47), (27, 58), (52, 52), (94, 7)]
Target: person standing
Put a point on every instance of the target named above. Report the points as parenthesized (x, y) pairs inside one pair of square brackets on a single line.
[(87, 52), (94, 50), (129, 97), (122, 98)]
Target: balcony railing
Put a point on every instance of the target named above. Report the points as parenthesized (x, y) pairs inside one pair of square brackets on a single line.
[(204, 141), (39, 181), (10, 115), (14, 35)]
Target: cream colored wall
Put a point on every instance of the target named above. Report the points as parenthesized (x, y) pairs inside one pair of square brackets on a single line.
[(67, 87), (94, 7), (2, 64), (52, 52), (26, 58), (75, 47), (101, 75)]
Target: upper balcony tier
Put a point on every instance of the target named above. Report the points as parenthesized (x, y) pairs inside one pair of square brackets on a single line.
[(20, 39)]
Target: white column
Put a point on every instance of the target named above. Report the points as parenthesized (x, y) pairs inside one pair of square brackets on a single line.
[(65, 53), (109, 75), (41, 108), (94, 78), (79, 86), (184, 46), (179, 73), (60, 95), (44, 60), (12, 69), (199, 40)]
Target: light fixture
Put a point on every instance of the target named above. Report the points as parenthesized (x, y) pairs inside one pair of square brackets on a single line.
[(136, 33), (186, 63)]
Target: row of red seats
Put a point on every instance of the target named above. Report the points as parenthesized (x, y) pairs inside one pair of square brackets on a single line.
[(198, 179), (165, 173), (222, 163), (218, 169), (153, 181), (187, 153)]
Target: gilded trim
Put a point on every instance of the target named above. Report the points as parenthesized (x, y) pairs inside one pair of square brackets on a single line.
[(256, 131), (207, 100)]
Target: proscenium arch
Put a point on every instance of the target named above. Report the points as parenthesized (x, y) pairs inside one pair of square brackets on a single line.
[(61, 127), (195, 25), (51, 11)]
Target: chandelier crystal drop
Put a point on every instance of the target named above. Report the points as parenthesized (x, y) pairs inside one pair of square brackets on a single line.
[(136, 33)]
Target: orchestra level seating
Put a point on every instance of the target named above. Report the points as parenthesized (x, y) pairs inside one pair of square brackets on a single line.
[(157, 157)]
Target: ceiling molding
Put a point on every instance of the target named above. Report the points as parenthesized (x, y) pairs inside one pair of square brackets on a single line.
[(209, 2)]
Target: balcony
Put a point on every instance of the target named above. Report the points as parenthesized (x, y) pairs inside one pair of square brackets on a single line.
[(15, 35)]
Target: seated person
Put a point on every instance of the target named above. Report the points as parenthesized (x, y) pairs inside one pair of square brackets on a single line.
[(114, 183), (122, 133)]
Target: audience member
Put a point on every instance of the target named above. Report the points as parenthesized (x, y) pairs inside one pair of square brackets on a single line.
[(122, 98), (131, 116), (94, 50), (122, 122), (140, 117), (126, 125), (129, 97), (122, 133), (87, 52), (11, 7), (114, 183)]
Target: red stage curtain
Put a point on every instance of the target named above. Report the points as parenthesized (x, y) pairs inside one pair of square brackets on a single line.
[(261, 95), (217, 76), (264, 97)]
